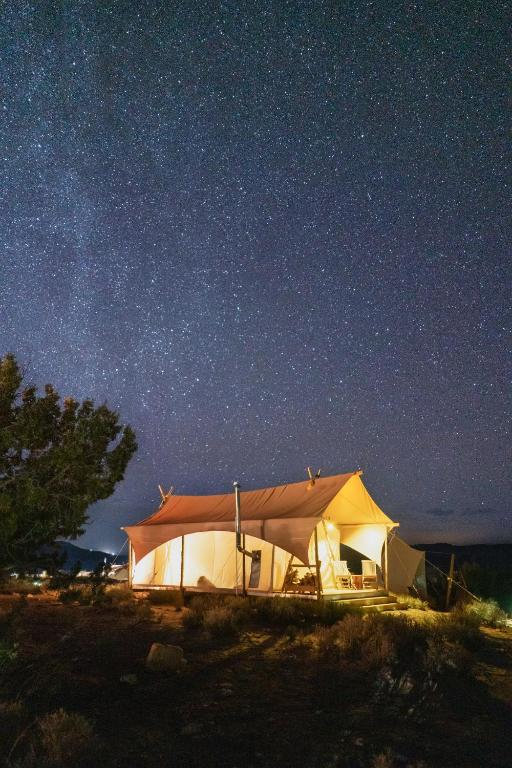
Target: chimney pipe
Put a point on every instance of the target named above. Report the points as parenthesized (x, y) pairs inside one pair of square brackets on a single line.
[(238, 522)]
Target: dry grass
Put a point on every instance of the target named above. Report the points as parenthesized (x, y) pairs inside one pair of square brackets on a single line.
[(20, 587), (408, 601), (381, 691), (172, 597), (486, 612), (65, 736)]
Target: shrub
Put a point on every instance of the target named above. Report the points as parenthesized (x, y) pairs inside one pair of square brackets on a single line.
[(444, 655), (285, 612), (172, 597), (488, 612), (119, 593), (221, 621), (59, 581), (383, 760), (459, 627), (139, 609), (11, 621), (8, 655), (218, 615), (271, 612), (71, 595), (118, 597), (201, 603), (20, 587), (198, 606), (13, 717), (280, 612), (408, 601), (64, 736), (371, 641)]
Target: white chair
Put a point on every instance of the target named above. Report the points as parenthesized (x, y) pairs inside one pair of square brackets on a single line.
[(369, 573), (342, 574)]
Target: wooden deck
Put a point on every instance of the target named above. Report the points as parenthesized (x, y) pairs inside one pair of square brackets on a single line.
[(368, 599)]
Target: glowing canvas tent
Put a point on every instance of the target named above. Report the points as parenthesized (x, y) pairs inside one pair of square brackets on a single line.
[(190, 541)]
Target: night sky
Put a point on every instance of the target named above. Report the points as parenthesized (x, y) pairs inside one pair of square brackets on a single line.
[(271, 234)]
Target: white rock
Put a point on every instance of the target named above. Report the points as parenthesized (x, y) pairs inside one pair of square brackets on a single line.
[(164, 658)]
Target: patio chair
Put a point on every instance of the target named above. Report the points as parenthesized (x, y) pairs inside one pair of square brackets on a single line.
[(369, 574), (342, 574)]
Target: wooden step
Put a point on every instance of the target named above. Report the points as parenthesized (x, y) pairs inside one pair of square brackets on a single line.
[(380, 607), (362, 601), (358, 594)]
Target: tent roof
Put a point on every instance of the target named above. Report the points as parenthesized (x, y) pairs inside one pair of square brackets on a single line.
[(285, 515), (284, 501)]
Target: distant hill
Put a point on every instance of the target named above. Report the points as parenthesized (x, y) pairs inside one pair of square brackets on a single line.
[(89, 559), (495, 556)]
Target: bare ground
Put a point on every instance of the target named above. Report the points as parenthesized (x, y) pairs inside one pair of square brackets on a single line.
[(245, 703)]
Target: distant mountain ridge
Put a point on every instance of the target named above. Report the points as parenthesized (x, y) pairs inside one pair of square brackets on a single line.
[(89, 559), (495, 556)]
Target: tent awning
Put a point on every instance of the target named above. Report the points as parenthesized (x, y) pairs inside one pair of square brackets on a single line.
[(285, 515)]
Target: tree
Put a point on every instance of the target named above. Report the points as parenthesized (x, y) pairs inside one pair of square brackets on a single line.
[(56, 459)]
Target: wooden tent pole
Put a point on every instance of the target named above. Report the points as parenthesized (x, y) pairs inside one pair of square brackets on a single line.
[(450, 581), (317, 568), (386, 580), (182, 563), (271, 590), (244, 590)]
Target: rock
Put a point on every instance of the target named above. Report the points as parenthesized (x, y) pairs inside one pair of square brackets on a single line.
[(164, 658), (130, 679)]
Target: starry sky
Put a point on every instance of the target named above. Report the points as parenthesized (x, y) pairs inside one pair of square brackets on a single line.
[(271, 234)]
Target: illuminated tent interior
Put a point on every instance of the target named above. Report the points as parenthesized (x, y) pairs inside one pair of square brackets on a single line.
[(291, 538)]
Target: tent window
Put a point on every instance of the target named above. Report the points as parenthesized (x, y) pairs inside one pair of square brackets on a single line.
[(254, 580)]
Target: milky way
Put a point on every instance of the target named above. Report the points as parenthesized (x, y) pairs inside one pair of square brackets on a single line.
[(271, 234)]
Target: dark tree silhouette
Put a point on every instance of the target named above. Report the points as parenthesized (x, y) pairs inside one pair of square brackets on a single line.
[(56, 459)]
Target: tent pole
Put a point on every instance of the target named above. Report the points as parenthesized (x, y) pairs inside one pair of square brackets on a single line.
[(244, 590), (130, 564), (449, 581), (386, 580), (182, 563), (317, 568), (271, 590)]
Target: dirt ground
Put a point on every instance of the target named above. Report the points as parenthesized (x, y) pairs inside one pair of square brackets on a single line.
[(241, 704)]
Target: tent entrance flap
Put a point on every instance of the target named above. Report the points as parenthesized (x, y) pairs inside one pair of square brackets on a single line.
[(366, 539)]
